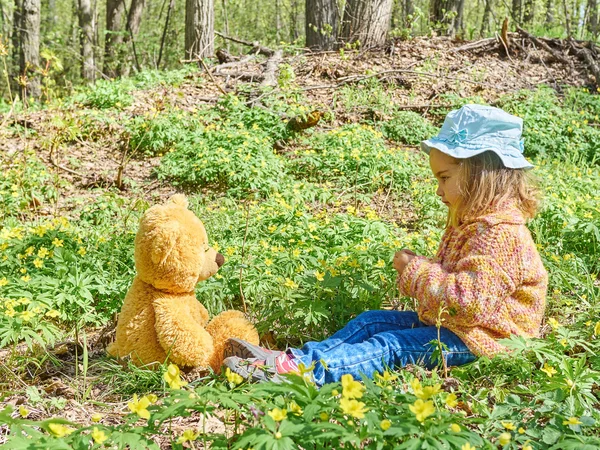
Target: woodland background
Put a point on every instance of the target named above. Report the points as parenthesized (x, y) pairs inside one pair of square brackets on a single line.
[(53, 45)]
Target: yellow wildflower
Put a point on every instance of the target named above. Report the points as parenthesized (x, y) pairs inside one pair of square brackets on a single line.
[(52, 313), (152, 398), (268, 262), (572, 421), (422, 409), (508, 425), (187, 436), (295, 408), (548, 370), (385, 424), (451, 400), (324, 416), (290, 284), (172, 377), (351, 388), (521, 430), (140, 406), (527, 447), (415, 384), (597, 329), (278, 435), (98, 436), (57, 242), (42, 252), (468, 446), (353, 407), (380, 263), (60, 430), (38, 263), (233, 377), (455, 428), (96, 417), (3, 281), (504, 439), (429, 391), (82, 251), (320, 276), (23, 412), (26, 278), (386, 377), (278, 414), (27, 316), (553, 323)]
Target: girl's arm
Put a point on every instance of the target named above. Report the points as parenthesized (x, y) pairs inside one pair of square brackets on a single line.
[(478, 285)]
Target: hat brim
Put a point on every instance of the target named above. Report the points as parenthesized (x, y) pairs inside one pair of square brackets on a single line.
[(510, 159)]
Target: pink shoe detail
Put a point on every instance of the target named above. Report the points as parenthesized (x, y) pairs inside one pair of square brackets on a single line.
[(285, 363)]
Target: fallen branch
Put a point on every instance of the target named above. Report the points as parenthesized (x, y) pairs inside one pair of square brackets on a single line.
[(270, 79), (234, 63), (546, 47), (588, 57), (212, 78), (255, 45), (476, 45)]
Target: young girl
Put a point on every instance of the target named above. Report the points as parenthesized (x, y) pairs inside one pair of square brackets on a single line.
[(486, 282)]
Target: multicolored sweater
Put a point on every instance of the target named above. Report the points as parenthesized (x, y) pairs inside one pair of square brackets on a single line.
[(489, 278)]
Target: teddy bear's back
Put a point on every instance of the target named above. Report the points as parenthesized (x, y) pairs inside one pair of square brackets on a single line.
[(136, 333)]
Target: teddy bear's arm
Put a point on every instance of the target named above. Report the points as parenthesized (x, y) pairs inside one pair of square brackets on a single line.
[(185, 342), (198, 312)]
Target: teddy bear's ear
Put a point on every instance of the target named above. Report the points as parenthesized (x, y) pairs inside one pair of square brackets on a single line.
[(179, 200), (164, 242)]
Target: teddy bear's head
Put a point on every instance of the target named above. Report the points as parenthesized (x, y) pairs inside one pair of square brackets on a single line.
[(171, 248)]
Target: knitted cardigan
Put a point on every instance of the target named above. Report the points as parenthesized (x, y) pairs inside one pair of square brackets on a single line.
[(489, 278)]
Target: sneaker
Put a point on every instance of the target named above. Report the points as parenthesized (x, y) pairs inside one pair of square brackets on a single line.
[(269, 369), (246, 350)]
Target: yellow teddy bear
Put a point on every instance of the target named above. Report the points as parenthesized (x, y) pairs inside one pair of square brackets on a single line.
[(161, 317)]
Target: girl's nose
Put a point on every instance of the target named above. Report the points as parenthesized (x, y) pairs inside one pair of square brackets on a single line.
[(439, 191)]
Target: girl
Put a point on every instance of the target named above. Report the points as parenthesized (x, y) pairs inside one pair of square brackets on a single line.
[(486, 282)]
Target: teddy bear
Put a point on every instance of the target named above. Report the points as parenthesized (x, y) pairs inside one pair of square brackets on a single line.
[(161, 318)]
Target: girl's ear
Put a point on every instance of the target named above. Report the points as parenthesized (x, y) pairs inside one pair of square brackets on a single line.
[(163, 242)]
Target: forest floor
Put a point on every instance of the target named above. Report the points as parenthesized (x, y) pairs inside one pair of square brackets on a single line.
[(427, 76)]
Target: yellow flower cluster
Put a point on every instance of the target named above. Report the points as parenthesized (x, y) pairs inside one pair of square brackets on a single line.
[(351, 390)]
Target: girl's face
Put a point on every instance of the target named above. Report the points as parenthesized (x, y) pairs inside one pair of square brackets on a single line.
[(446, 171)]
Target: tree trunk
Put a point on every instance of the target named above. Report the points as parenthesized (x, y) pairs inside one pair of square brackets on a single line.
[(592, 22), (30, 48), (440, 13), (549, 13), (294, 20), (114, 37), (278, 21), (321, 24), (516, 11), (485, 22), (529, 11), (134, 20), (366, 21), (86, 24), (458, 22), (199, 28), (16, 33)]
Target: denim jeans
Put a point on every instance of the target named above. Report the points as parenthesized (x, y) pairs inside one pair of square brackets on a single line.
[(376, 340)]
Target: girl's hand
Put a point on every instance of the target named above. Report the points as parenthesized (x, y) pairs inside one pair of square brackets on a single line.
[(402, 258)]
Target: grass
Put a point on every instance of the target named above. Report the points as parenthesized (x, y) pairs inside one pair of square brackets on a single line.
[(308, 233)]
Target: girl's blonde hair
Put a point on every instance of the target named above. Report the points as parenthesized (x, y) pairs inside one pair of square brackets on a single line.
[(486, 183)]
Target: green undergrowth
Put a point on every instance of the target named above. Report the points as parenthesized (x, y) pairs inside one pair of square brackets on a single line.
[(308, 224)]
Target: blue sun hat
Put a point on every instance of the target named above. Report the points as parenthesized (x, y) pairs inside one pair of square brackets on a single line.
[(474, 129)]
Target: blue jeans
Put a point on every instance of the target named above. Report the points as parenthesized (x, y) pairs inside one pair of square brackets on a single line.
[(376, 340)]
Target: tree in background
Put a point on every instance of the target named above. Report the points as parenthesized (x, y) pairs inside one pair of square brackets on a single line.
[(86, 25), (29, 50), (321, 24), (113, 36), (199, 28), (447, 14), (366, 21)]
